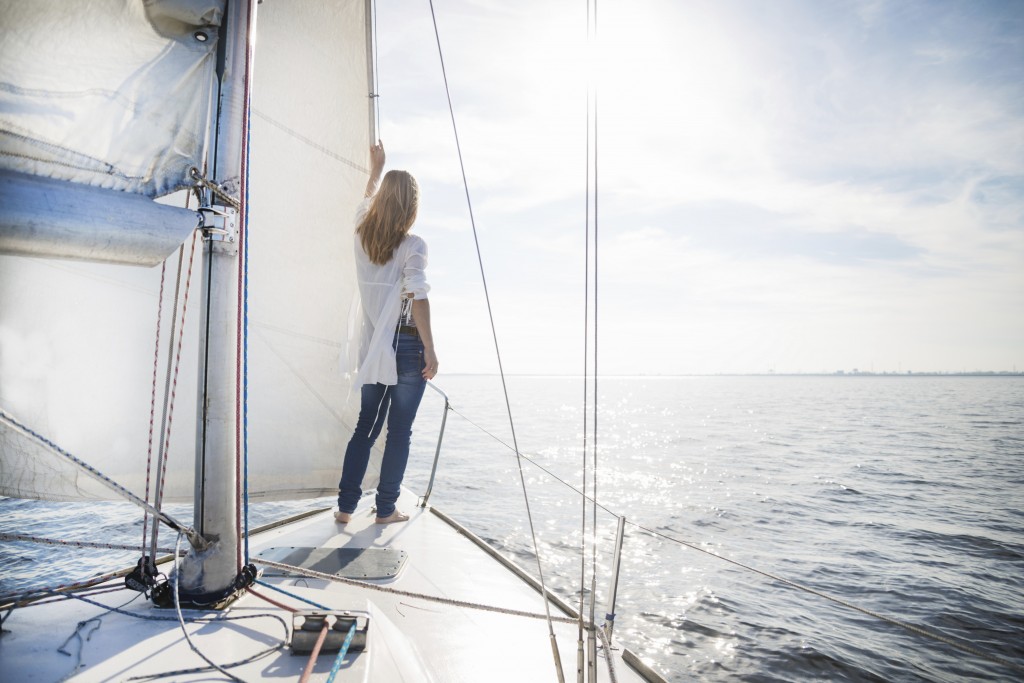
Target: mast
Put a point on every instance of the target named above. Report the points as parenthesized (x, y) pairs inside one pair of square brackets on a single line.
[(210, 575)]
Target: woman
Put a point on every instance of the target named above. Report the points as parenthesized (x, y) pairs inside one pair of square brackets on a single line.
[(397, 351)]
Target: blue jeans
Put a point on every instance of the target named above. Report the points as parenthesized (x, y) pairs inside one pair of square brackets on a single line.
[(397, 404)]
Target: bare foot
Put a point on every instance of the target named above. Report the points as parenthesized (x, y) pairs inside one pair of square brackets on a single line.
[(395, 516), (342, 517)]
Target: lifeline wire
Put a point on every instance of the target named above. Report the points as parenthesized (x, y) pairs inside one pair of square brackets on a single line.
[(807, 589), (497, 350), (839, 601)]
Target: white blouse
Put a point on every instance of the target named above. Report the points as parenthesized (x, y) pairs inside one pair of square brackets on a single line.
[(382, 290)]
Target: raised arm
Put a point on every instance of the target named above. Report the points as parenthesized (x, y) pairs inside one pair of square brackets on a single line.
[(376, 168)]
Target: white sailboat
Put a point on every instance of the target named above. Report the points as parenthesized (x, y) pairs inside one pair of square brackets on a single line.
[(104, 106)]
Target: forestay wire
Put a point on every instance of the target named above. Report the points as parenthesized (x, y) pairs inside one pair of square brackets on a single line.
[(590, 220), (497, 350)]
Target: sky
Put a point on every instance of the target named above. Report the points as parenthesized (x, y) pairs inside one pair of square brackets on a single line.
[(782, 186)]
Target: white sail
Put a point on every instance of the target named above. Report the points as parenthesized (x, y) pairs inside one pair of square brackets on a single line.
[(77, 339), (309, 147)]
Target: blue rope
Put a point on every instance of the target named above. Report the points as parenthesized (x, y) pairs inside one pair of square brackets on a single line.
[(245, 346), (341, 653), (293, 595)]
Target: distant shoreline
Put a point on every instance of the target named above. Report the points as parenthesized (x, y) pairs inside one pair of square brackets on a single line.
[(838, 373)]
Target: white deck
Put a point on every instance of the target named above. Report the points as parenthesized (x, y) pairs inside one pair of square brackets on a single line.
[(410, 639)]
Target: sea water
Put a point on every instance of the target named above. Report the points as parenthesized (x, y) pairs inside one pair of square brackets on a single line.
[(778, 528)]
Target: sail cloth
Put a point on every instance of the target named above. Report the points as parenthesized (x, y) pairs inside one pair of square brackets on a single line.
[(107, 93), (311, 134), (77, 339)]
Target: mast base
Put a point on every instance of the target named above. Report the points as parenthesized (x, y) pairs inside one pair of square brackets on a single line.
[(163, 593)]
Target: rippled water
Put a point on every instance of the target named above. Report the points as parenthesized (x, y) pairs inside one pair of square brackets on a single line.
[(900, 495)]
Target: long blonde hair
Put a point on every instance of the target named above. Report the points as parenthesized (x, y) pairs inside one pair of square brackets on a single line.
[(390, 216)]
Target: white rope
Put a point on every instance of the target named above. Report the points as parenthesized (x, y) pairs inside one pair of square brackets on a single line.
[(75, 544), (310, 573), (194, 538)]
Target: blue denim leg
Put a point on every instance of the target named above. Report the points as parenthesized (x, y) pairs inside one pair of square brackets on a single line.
[(398, 404), (372, 411), (405, 401)]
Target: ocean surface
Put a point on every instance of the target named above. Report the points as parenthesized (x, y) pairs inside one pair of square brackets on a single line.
[(760, 513)]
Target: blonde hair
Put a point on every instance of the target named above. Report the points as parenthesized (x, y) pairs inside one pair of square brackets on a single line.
[(390, 216)]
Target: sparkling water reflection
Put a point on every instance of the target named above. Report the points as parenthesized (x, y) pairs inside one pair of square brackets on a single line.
[(901, 495)]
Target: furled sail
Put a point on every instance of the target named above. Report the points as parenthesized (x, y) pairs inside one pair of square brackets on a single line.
[(77, 356), (107, 93)]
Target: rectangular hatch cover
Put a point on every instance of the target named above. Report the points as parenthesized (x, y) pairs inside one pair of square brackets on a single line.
[(349, 563)]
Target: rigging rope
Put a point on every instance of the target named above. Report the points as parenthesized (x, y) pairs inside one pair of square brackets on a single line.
[(597, 309), (375, 95), (152, 403), (194, 538), (497, 350), (160, 452), (216, 189), (242, 383), (73, 544), (192, 620), (184, 631), (452, 602), (171, 389)]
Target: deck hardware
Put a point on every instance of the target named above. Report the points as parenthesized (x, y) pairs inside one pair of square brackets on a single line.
[(143, 577), (613, 589), (220, 223), (437, 452), (307, 624)]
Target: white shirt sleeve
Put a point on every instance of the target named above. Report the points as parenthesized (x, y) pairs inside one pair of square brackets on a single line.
[(414, 269)]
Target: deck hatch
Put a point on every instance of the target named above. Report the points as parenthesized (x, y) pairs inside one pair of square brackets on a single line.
[(349, 563)]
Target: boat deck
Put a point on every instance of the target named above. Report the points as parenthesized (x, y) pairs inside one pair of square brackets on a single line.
[(409, 638)]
